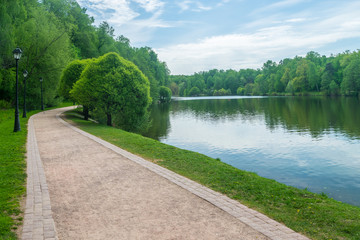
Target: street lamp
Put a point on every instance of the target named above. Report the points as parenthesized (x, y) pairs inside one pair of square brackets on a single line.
[(42, 99), (25, 73), (17, 55)]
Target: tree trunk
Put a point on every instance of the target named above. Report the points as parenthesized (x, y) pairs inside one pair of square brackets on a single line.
[(108, 119), (86, 112)]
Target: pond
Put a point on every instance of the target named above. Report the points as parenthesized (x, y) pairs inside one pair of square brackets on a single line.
[(306, 142)]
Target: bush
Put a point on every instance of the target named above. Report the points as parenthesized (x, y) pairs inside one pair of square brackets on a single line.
[(194, 91), (4, 104), (164, 94), (222, 92)]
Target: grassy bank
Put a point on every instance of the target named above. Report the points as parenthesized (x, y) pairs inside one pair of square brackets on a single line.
[(12, 171), (314, 215)]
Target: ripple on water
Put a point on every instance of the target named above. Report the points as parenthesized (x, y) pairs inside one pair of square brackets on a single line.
[(290, 140)]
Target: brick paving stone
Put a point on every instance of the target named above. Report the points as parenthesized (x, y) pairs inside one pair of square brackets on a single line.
[(37, 208)]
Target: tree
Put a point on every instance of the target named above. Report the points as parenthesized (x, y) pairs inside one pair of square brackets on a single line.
[(174, 88), (334, 88), (327, 77), (45, 45), (194, 91), (240, 91), (157, 72), (351, 82), (114, 86), (105, 34), (249, 89), (70, 75), (262, 85), (164, 94), (222, 92)]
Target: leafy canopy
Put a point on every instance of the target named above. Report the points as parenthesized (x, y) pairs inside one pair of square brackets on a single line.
[(164, 94), (116, 87), (70, 75)]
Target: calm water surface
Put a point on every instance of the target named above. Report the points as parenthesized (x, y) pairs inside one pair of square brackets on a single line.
[(311, 143)]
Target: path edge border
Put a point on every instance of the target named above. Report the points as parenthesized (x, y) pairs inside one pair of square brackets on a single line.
[(38, 220)]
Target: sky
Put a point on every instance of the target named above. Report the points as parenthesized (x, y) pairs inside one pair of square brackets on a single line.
[(200, 35)]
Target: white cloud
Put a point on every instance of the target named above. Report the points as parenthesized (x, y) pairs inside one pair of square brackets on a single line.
[(223, 2), (113, 11), (125, 20), (195, 6), (150, 5), (295, 20), (286, 38), (281, 4), (184, 5), (202, 7)]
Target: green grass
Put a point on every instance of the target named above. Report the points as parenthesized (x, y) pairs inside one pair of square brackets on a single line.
[(313, 215), (12, 171)]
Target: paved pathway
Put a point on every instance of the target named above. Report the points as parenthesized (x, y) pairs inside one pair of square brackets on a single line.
[(99, 191)]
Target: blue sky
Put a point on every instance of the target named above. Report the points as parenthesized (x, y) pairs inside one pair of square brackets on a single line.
[(198, 35)]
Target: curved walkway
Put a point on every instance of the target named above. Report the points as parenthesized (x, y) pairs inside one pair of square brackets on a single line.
[(99, 191)]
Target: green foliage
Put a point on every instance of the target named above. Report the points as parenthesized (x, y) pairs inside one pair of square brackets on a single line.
[(194, 91), (45, 44), (240, 91), (174, 89), (299, 75), (115, 87), (157, 72), (301, 210), (351, 82), (334, 88), (222, 92), (164, 94), (4, 104), (70, 75)]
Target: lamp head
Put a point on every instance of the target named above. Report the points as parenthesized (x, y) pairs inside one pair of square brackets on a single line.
[(17, 53), (25, 73), (41, 79)]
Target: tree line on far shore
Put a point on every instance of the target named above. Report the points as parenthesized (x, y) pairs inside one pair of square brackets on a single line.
[(313, 74)]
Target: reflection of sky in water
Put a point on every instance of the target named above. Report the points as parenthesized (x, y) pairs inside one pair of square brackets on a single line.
[(329, 163)]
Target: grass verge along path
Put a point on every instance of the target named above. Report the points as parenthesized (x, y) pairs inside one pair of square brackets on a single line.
[(12, 172), (313, 215)]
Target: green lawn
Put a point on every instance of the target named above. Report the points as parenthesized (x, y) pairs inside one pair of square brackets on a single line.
[(12, 172), (313, 215)]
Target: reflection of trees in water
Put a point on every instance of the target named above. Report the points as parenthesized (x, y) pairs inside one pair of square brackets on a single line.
[(216, 109), (160, 121), (315, 115)]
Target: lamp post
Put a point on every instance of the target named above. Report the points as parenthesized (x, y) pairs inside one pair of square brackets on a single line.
[(42, 99), (25, 73), (17, 55)]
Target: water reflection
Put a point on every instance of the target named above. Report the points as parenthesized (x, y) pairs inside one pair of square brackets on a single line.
[(305, 142)]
